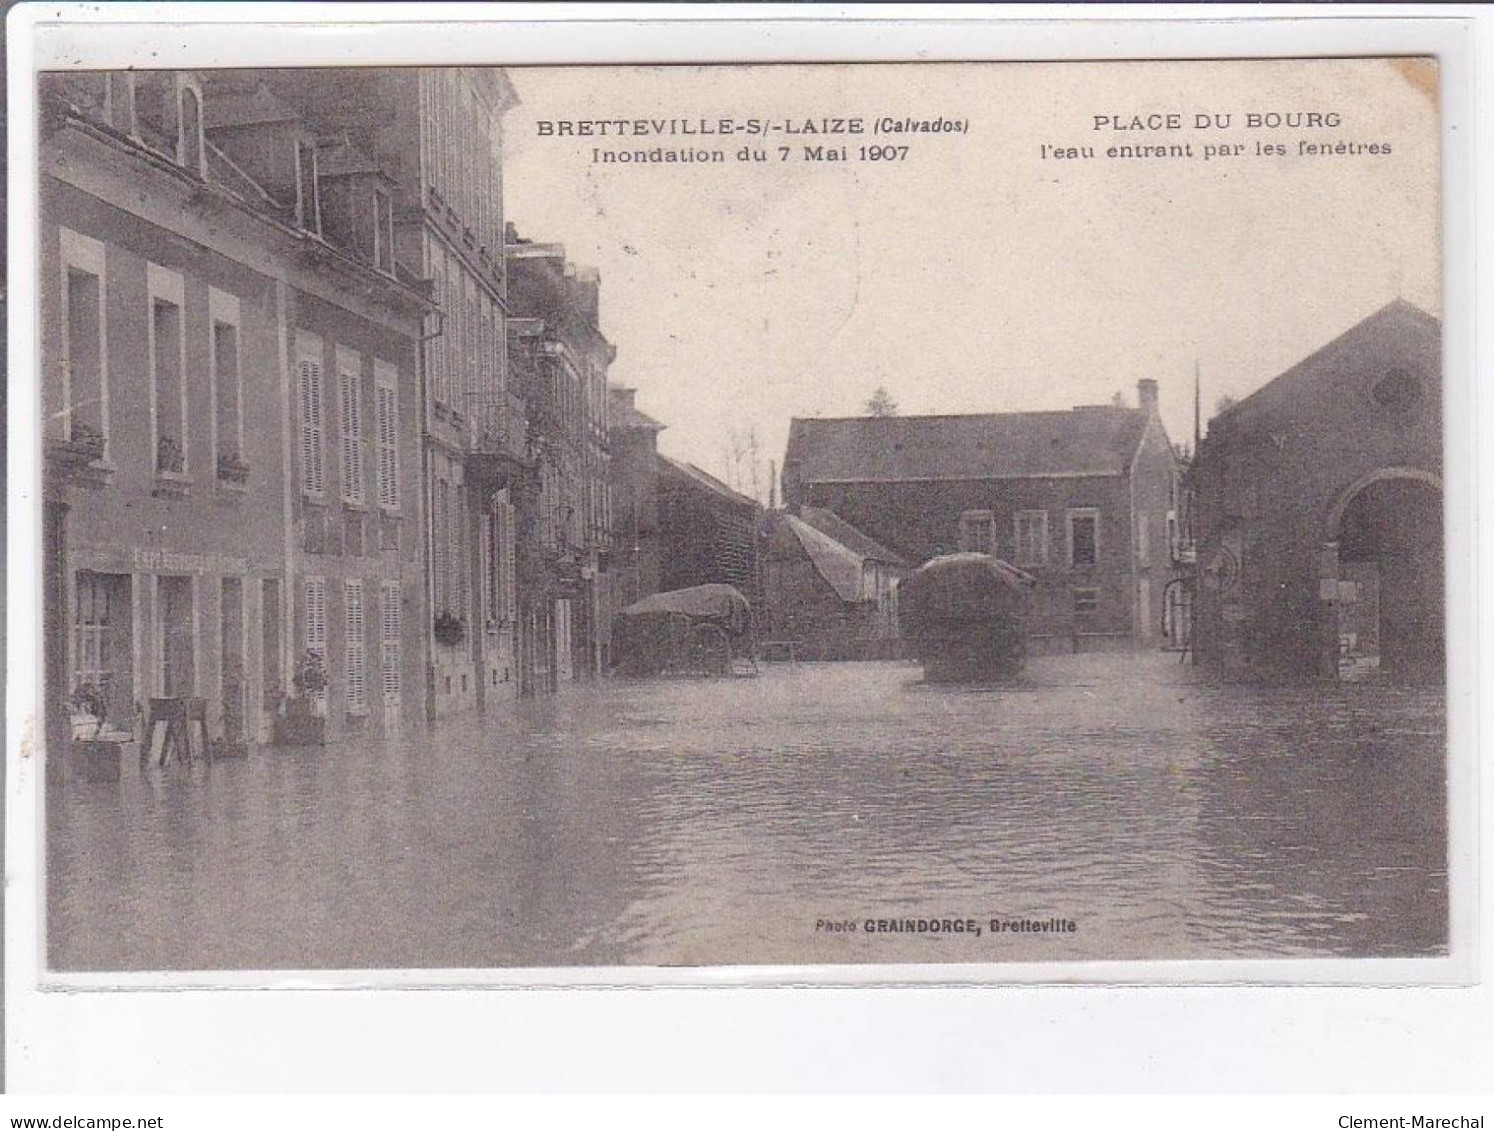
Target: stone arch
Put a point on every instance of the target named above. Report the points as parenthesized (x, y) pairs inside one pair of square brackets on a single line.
[(1334, 525), (1384, 536)]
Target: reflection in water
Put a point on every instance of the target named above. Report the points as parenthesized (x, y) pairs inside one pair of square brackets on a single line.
[(689, 822)]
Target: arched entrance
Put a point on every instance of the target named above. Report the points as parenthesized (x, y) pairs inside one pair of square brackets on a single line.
[(1388, 527)]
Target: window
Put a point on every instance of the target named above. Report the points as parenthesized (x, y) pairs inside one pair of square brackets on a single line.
[(357, 688), (226, 387), (1084, 537), (350, 423), (978, 532), (85, 378), (1143, 538), (94, 616), (1086, 601), (389, 635), (439, 545), (168, 362), (189, 147), (309, 373), (315, 614), (383, 231), (1032, 538), (386, 429), (456, 556), (308, 205)]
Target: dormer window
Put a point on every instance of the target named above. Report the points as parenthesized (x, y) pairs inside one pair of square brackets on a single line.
[(308, 204), (383, 231), (189, 147)]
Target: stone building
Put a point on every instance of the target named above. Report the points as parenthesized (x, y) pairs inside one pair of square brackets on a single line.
[(231, 408), (1082, 500), (637, 549), (828, 590), (708, 533), (420, 152), (1318, 512), (560, 359)]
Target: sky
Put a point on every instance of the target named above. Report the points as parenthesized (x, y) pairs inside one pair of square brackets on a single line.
[(976, 274)]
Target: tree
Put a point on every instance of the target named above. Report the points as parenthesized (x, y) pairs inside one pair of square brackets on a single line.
[(1224, 404), (881, 403)]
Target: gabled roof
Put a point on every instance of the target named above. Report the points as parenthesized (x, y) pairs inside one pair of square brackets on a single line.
[(1093, 440), (1397, 329), (831, 524), (706, 480)]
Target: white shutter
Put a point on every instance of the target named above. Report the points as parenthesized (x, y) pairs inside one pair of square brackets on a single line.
[(350, 384), (389, 638), (313, 473), (316, 624), (386, 407), (357, 690)]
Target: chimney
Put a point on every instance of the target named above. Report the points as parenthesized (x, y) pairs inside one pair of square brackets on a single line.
[(1146, 395), (793, 485)]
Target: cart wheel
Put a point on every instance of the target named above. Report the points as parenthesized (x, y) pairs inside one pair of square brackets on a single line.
[(710, 651)]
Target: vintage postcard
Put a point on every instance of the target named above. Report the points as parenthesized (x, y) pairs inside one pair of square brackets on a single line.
[(968, 515)]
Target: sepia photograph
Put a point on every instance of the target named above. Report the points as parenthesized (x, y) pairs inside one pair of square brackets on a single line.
[(819, 514)]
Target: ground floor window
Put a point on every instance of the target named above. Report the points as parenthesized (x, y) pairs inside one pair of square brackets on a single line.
[(389, 640), (102, 645), (357, 689), (176, 618)]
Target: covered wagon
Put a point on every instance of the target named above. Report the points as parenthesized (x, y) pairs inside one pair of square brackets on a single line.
[(964, 616), (697, 631)]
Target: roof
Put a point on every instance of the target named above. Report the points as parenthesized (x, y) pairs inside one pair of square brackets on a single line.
[(709, 482), (831, 524), (1099, 440), (624, 415), (839, 564), (1396, 324)]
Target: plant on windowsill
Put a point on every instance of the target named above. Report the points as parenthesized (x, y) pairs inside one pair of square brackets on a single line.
[(449, 629), (169, 456), (300, 721), (96, 751), (231, 469)]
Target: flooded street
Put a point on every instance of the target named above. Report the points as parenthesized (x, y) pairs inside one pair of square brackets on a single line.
[(722, 822)]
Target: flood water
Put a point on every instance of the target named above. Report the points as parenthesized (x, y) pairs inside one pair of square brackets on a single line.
[(719, 821)]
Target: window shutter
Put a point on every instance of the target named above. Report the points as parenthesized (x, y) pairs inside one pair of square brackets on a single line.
[(313, 475), (357, 690), (350, 383), (387, 428), (389, 639)]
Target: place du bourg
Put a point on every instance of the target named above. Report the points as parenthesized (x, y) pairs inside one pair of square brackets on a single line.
[(379, 631)]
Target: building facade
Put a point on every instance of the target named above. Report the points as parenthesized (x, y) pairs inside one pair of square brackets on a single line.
[(828, 590), (230, 396), (1318, 510), (708, 532), (437, 134), (560, 359), (1083, 500), (637, 548)]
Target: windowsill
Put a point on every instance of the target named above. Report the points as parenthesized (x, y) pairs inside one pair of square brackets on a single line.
[(314, 500), (357, 713), (172, 485), (390, 512), (350, 504)]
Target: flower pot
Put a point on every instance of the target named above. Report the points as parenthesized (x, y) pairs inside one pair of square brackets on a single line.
[(299, 726)]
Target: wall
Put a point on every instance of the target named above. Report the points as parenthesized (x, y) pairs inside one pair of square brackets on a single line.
[(920, 520)]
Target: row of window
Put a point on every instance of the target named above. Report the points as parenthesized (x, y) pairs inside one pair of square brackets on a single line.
[(1030, 536), (352, 404), (355, 647), (85, 363)]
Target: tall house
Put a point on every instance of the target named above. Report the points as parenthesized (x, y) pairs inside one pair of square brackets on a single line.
[(438, 133), (560, 359), (1083, 500), (231, 412)]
